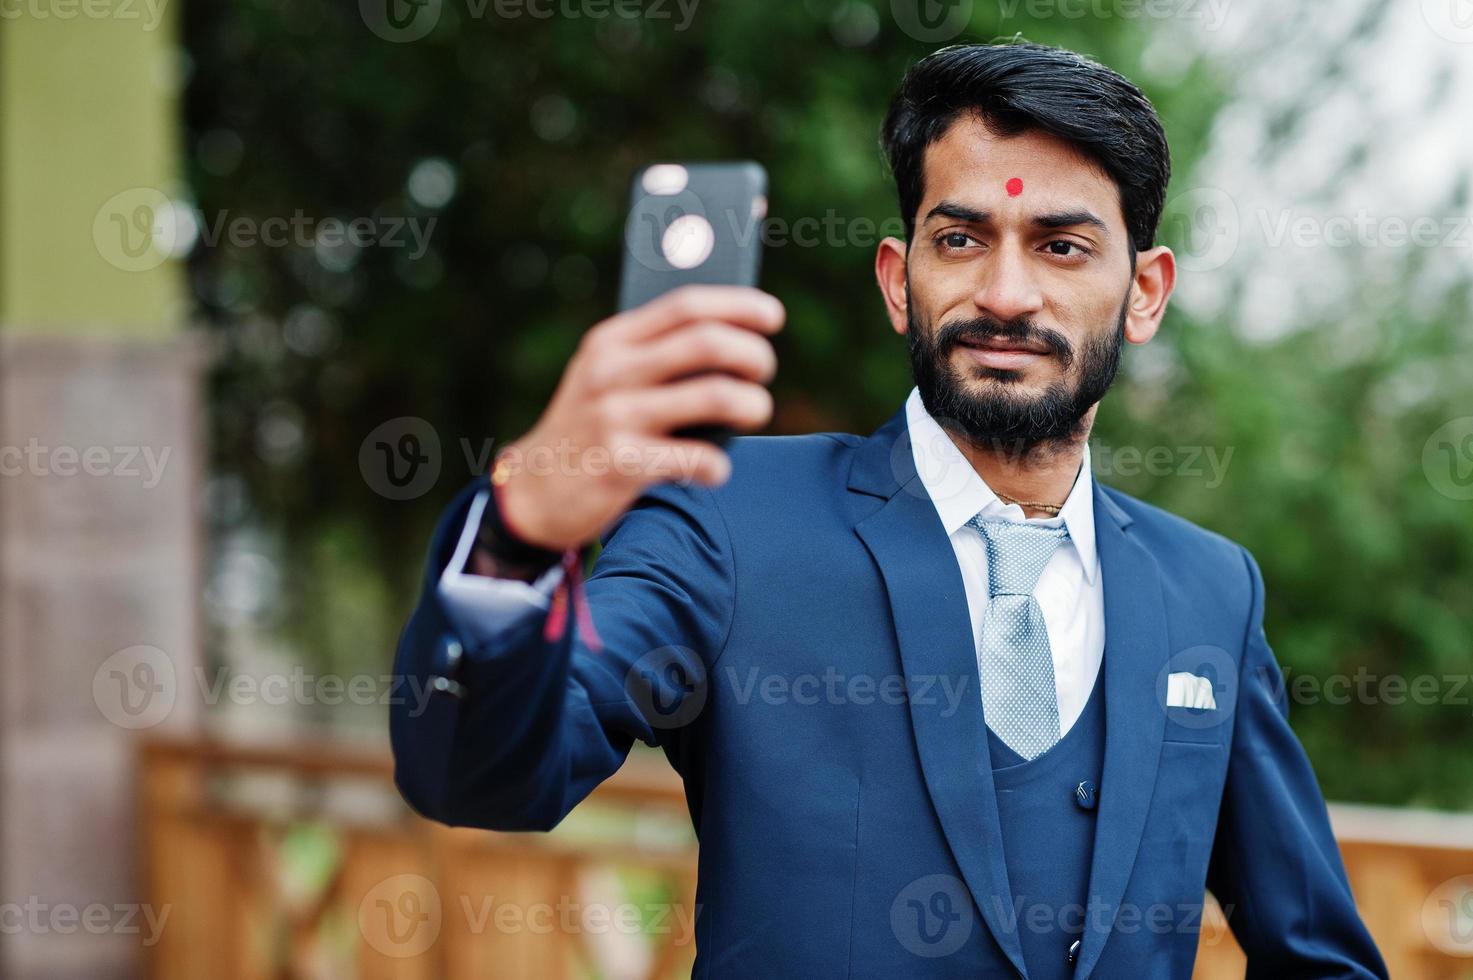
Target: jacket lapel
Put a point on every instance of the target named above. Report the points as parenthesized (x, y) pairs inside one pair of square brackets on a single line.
[(1136, 649), (934, 632)]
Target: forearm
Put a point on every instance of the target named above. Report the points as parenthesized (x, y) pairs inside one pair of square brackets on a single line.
[(529, 720), (485, 690)]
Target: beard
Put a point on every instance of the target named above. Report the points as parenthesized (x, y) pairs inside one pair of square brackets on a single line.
[(1000, 414)]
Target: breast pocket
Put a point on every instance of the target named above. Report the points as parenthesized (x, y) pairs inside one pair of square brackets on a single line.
[(1198, 690), (1188, 790), (1198, 726)]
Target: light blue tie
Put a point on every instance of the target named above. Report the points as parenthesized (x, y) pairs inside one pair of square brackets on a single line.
[(1016, 664)]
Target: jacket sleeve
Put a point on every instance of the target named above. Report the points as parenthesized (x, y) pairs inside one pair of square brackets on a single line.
[(1275, 867), (520, 729)]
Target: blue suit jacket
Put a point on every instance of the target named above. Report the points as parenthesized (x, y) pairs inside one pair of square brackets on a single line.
[(798, 643)]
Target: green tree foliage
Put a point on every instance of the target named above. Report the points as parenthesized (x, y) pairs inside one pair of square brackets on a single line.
[(540, 123)]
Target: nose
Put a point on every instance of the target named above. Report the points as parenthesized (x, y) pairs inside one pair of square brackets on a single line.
[(1007, 289)]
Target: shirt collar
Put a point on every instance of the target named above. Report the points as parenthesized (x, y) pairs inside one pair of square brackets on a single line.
[(959, 493)]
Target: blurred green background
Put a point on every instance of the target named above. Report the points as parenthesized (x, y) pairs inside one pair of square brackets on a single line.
[(201, 585), (1320, 377)]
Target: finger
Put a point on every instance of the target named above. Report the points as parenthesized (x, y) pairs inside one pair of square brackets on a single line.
[(711, 399), (739, 305), (687, 460), (698, 347)]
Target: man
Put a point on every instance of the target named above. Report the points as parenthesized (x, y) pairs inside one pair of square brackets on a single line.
[(943, 705)]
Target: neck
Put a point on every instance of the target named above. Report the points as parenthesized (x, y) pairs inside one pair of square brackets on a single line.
[(1036, 474)]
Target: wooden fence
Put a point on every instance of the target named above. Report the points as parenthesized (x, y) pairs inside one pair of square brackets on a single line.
[(301, 863)]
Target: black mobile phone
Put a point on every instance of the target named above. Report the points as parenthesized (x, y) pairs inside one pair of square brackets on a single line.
[(693, 223)]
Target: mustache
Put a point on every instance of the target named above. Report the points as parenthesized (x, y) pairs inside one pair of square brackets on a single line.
[(978, 330)]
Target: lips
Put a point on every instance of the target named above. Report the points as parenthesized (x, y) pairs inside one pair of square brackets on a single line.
[(1002, 345)]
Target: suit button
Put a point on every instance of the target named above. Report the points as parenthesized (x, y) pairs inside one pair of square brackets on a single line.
[(1073, 952), (453, 652), (1086, 795), (445, 685)]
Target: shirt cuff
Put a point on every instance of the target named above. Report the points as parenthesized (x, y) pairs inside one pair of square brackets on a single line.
[(481, 608)]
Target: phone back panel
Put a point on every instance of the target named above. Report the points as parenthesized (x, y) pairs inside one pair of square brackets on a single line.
[(693, 223)]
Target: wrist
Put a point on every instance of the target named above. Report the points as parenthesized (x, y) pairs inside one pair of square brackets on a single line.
[(500, 536)]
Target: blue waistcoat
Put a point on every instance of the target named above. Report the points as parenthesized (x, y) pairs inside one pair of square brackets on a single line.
[(1047, 810)]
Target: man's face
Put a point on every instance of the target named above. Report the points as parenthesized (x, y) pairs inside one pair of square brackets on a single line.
[(1019, 278)]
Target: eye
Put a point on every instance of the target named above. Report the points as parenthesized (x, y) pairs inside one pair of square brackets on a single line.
[(1061, 246), (954, 240)]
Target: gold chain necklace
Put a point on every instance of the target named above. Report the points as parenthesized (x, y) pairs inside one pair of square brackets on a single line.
[(1030, 504)]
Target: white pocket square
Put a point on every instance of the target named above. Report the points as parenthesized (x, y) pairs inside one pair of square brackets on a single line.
[(1186, 690)]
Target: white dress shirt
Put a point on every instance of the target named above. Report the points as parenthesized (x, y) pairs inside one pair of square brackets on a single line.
[(1069, 592), (482, 607)]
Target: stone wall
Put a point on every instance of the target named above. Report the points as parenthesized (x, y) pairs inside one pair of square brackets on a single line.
[(100, 555)]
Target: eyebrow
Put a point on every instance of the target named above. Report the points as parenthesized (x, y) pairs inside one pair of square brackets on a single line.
[(1067, 219), (1052, 219)]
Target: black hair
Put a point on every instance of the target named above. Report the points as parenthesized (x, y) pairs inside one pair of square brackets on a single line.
[(1015, 87)]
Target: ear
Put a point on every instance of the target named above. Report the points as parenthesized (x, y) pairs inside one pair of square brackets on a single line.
[(890, 274), (1155, 278)]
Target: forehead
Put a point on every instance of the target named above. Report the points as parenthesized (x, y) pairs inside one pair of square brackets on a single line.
[(971, 164)]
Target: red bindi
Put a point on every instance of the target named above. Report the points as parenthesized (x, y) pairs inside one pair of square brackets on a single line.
[(1014, 187)]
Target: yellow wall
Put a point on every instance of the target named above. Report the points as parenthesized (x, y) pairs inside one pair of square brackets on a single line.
[(88, 111)]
